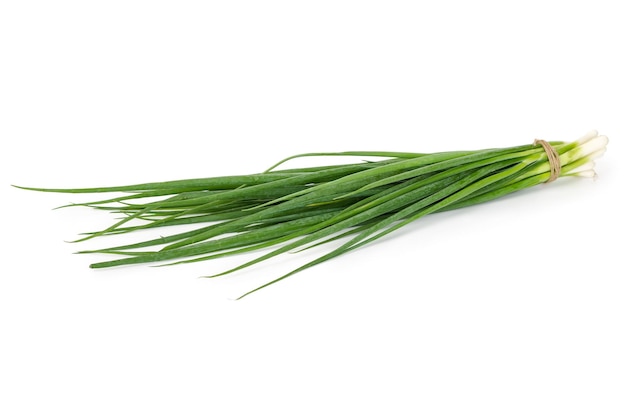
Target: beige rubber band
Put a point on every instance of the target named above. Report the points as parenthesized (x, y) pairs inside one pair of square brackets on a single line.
[(553, 159)]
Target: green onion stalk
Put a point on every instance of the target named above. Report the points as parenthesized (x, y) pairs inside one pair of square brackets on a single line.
[(284, 210)]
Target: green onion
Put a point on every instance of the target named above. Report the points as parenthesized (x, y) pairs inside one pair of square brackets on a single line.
[(294, 209)]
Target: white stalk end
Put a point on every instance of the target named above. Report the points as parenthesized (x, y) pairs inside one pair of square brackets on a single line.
[(583, 168), (590, 135), (586, 173), (597, 154), (593, 145)]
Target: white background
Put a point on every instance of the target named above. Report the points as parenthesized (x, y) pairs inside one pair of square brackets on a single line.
[(515, 305)]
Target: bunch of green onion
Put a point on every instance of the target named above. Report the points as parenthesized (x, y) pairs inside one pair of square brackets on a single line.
[(285, 210)]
